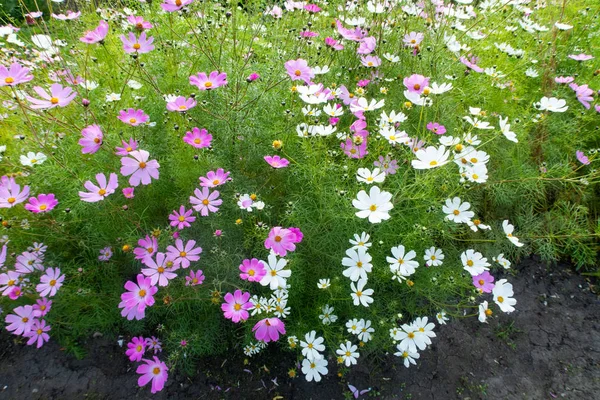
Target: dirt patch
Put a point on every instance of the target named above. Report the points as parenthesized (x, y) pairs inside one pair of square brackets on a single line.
[(549, 348)]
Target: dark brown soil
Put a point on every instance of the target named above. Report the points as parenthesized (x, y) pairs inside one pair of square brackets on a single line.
[(549, 348)]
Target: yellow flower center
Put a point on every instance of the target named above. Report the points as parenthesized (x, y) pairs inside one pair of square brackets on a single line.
[(273, 273), (433, 163), (178, 3), (456, 212), (156, 371), (182, 107), (197, 141), (373, 207), (142, 293), (216, 182), (43, 207), (181, 218), (9, 80), (54, 100), (183, 254), (500, 299), (39, 331), (10, 283), (348, 354), (142, 165), (96, 140), (137, 46), (208, 84), (101, 192), (160, 269), (359, 264), (278, 238), (150, 250), (52, 282), (417, 86), (132, 120), (359, 293), (251, 272), (432, 258), (11, 200), (488, 312), (128, 148), (205, 202), (138, 348), (411, 335), (297, 72), (310, 346), (470, 263), (237, 307)]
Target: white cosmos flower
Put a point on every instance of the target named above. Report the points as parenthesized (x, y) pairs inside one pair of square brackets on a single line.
[(508, 230), (320, 70), (433, 257), (358, 263), (32, 159), (552, 104), (324, 130), (354, 326), (417, 99), (410, 340), (312, 346), (110, 97), (476, 173), (439, 89), (503, 292), (505, 129), (327, 317), (375, 205), (364, 334), (471, 139), (402, 262), (424, 328), (309, 111), (409, 357), (361, 241), (324, 283), (391, 57), (484, 312), (476, 123), (431, 157), (360, 295), (367, 176), (476, 224), (276, 276), (441, 317), (449, 141), (393, 118), (362, 104), (562, 27), (532, 72), (392, 136), (474, 262), (333, 110), (314, 369), (502, 261), (348, 353), (457, 211)]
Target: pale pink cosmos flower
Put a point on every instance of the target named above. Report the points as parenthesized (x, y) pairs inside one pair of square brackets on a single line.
[(182, 254), (182, 219), (127, 147), (96, 35), (181, 104), (92, 139), (194, 278), (43, 306), (370, 61), (16, 293), (584, 94), (215, 178), (105, 254), (70, 15), (140, 45), (154, 370), (299, 70), (28, 262), (38, 334), (198, 138), (582, 158), (104, 188), (355, 34), (41, 204), (252, 270), (281, 240), (276, 161), (175, 5), (212, 81), (416, 83), (471, 64), (158, 271), (139, 23), (312, 8), (154, 343), (14, 75), (8, 281), (128, 192), (367, 45), (580, 57), (564, 79), (136, 348), (268, 329), (59, 96), (147, 247), (236, 306), (133, 117), (413, 39), (353, 150), (21, 321), (141, 170), (205, 201), (137, 298), (11, 194), (50, 282)]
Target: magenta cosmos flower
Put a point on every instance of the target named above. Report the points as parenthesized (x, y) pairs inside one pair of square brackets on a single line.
[(299, 70), (252, 270), (181, 104), (212, 81), (436, 128), (205, 201), (21, 321), (133, 117), (268, 329), (104, 188), (50, 282), (182, 254), (42, 203), (334, 44), (92, 139), (139, 23), (471, 64), (38, 334), (137, 298), (127, 147), (276, 161), (136, 348), (96, 35), (281, 240), (183, 218), (11, 194), (158, 271), (215, 178), (236, 306), (175, 5), (484, 282), (312, 8), (416, 83), (198, 138), (148, 246), (155, 371), (582, 158), (59, 96), (140, 45), (14, 75), (194, 278), (141, 170)]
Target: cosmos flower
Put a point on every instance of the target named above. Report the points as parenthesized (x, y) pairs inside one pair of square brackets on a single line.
[(182, 219), (133, 117), (96, 35), (153, 370), (198, 138), (269, 329), (92, 139), (11, 193), (181, 104), (50, 282), (42, 203), (375, 206), (236, 306), (58, 96), (175, 5), (205, 201), (299, 70), (276, 161), (140, 45), (212, 81), (141, 170), (104, 188), (137, 298)]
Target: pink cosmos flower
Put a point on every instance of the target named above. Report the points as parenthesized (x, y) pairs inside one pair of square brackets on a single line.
[(59, 96), (584, 94), (334, 44), (484, 282), (281, 240), (436, 128), (212, 81), (128, 192), (353, 150), (96, 35), (38, 334), (137, 298), (205, 201), (350, 34), (471, 64), (133, 117), (580, 57), (370, 61), (194, 278), (155, 371), (312, 8), (127, 147), (252, 77), (140, 45), (154, 344), (139, 23), (43, 305), (252, 270), (564, 79), (105, 254), (581, 157), (276, 161), (8, 281), (182, 219), (387, 165), (28, 262), (42, 203), (183, 255), (21, 321), (141, 170), (158, 271), (175, 5), (148, 246), (215, 178), (236, 306), (50, 282), (198, 138), (16, 293), (362, 83), (136, 348), (92, 139), (413, 39), (299, 70), (14, 75), (10, 192), (268, 329), (69, 16), (181, 104), (308, 34), (416, 83), (104, 189), (366, 46)]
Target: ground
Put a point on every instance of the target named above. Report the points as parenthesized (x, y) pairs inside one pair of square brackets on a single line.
[(549, 348)]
